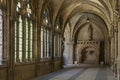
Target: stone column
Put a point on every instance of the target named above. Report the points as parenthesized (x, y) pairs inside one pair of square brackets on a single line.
[(112, 50), (118, 58), (118, 40), (11, 10), (116, 43), (70, 58), (116, 50)]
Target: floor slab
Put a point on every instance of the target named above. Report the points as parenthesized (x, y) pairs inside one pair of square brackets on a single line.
[(78, 73)]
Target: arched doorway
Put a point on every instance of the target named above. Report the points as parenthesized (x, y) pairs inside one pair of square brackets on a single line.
[(89, 55)]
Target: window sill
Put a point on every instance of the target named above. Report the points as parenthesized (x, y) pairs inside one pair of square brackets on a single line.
[(24, 63)]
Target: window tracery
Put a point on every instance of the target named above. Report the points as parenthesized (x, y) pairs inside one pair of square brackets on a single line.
[(46, 35), (24, 32)]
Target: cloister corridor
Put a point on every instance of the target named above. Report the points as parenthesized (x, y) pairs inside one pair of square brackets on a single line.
[(80, 73), (59, 39)]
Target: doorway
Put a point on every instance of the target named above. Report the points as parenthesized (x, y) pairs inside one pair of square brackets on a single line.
[(89, 55)]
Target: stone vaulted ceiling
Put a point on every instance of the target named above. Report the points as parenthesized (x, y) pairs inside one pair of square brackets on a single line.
[(73, 11)]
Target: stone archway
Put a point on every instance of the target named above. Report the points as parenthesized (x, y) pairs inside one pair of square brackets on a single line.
[(89, 55)]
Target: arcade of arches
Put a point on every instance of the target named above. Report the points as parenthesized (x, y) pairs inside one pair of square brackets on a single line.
[(38, 37)]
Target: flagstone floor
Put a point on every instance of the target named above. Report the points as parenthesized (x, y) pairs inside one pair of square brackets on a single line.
[(80, 73)]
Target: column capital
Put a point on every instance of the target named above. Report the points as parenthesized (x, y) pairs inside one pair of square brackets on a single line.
[(70, 43)]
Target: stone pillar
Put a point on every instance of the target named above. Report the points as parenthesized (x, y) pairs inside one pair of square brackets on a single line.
[(116, 43), (118, 40), (107, 52), (10, 23), (70, 57), (116, 51), (112, 50), (118, 58)]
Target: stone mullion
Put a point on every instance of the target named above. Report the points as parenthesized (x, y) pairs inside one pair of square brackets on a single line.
[(24, 39), (49, 44), (59, 46), (34, 41), (17, 42), (54, 46), (45, 43), (29, 40), (4, 26)]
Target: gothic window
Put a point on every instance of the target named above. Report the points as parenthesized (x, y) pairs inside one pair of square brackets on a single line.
[(24, 32), (1, 35), (45, 35)]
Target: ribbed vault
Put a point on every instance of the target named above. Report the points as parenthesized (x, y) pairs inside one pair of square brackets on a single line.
[(64, 10)]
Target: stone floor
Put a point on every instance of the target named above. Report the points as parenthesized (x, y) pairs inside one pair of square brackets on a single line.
[(80, 73)]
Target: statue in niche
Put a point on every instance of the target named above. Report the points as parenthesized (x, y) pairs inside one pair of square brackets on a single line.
[(90, 32)]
